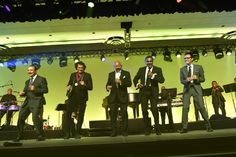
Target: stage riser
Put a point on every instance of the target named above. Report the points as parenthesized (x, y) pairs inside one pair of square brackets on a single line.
[(102, 128)]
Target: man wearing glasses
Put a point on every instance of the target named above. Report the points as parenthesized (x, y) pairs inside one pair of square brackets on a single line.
[(191, 76)]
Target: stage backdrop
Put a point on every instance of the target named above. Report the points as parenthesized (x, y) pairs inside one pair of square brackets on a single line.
[(222, 70)]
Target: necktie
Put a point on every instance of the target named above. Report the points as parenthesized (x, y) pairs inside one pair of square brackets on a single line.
[(31, 81), (189, 71), (148, 80)]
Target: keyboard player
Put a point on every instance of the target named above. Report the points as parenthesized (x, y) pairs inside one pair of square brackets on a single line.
[(166, 109)]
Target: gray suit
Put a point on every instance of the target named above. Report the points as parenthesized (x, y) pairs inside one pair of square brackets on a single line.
[(193, 89)]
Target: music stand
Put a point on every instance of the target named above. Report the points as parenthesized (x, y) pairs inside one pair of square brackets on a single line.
[(60, 107), (206, 92), (171, 92), (229, 88)]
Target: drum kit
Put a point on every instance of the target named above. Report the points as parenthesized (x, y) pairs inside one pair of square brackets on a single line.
[(6, 107)]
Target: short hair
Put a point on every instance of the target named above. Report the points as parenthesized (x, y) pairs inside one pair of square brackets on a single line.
[(189, 53), (214, 81), (148, 57), (80, 63), (35, 66)]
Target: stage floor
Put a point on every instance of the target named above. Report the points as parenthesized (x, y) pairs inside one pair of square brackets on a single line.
[(220, 142)]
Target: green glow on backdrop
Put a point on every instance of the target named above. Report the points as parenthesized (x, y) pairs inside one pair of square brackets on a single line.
[(222, 70)]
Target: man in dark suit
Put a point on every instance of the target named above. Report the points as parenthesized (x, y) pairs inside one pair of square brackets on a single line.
[(150, 76), (117, 84), (191, 76), (79, 84), (34, 91)]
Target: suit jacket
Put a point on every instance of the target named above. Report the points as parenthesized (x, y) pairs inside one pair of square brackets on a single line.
[(36, 98), (159, 78), (199, 72), (119, 90), (78, 91)]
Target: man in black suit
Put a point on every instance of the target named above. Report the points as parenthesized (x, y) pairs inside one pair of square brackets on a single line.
[(150, 76), (191, 76), (34, 91), (77, 88), (117, 84)]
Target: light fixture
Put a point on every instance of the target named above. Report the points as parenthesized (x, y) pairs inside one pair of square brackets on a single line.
[(228, 51), (63, 61), (50, 60), (195, 55), (204, 52), (103, 58), (90, 4), (76, 59), (115, 40), (11, 64), (154, 54), (25, 62), (126, 54), (167, 55), (178, 54), (36, 62), (7, 7), (1, 63), (218, 52)]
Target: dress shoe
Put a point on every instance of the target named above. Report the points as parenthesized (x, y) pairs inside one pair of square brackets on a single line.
[(66, 137), (147, 132), (183, 131), (209, 129), (113, 134), (78, 137), (158, 132), (41, 138), (17, 139), (124, 134)]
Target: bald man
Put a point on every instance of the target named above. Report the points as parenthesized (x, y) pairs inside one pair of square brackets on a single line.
[(117, 84)]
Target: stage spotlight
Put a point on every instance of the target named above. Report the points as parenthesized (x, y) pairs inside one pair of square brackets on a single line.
[(90, 4), (103, 58), (25, 62), (1, 64), (204, 52), (36, 62), (76, 59), (11, 64), (50, 60), (167, 55), (8, 8), (154, 54), (63, 61), (126, 54), (195, 55), (218, 52), (178, 54), (228, 51)]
